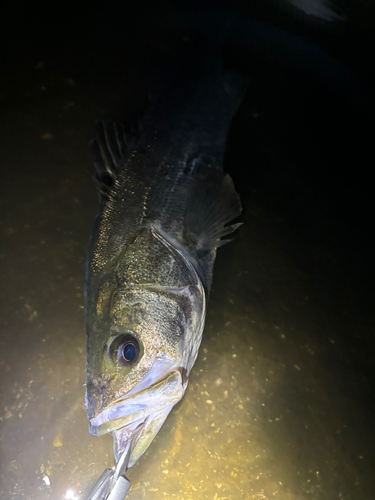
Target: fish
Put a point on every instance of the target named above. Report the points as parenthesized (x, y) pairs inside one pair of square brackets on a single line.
[(166, 206)]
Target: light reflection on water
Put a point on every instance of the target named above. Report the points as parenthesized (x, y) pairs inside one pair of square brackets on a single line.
[(277, 405)]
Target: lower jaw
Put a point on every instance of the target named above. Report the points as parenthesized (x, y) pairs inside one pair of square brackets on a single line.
[(123, 428), (159, 398), (122, 435), (118, 423), (152, 425)]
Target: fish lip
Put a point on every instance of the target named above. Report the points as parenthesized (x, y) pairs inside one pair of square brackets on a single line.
[(110, 424), (104, 417), (161, 368), (110, 419)]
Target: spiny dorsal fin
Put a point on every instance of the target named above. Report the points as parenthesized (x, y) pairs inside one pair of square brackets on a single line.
[(108, 148)]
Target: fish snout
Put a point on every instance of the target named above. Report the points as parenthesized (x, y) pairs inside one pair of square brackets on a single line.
[(95, 396)]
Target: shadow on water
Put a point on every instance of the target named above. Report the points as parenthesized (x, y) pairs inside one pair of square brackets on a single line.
[(280, 401)]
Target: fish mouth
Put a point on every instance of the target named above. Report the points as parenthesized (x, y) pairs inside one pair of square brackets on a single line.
[(122, 436), (150, 427), (150, 407)]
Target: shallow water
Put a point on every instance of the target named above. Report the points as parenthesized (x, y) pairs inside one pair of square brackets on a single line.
[(280, 401)]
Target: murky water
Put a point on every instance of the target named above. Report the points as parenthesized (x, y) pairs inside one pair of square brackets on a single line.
[(280, 401)]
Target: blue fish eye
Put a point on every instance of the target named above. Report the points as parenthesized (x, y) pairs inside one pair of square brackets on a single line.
[(128, 352)]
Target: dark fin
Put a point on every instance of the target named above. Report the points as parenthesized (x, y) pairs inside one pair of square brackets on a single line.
[(212, 204), (108, 148)]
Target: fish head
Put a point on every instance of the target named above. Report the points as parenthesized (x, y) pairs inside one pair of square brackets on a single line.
[(141, 343)]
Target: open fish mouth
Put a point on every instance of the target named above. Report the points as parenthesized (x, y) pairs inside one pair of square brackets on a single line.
[(150, 407)]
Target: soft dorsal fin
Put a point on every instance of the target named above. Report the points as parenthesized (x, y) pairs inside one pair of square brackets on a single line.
[(109, 148)]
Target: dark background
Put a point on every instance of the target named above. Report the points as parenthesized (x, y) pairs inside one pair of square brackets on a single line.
[(311, 150)]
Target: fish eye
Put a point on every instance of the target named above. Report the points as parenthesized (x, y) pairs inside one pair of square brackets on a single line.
[(128, 352), (124, 349)]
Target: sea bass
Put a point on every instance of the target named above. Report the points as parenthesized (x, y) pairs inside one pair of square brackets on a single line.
[(165, 206)]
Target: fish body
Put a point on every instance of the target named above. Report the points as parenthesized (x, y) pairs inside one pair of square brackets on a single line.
[(165, 206), (164, 210)]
